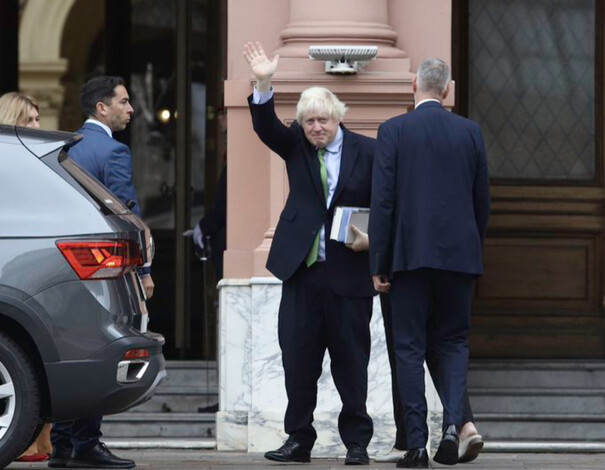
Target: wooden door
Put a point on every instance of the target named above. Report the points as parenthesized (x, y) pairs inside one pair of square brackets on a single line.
[(531, 74)]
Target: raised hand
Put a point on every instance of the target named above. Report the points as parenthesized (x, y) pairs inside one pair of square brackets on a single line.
[(262, 68)]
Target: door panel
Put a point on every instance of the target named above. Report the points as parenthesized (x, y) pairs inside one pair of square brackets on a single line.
[(546, 273)]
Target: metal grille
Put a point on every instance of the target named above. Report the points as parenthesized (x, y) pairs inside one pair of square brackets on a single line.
[(532, 86)]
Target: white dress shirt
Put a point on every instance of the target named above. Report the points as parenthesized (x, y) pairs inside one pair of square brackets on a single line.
[(426, 101), (332, 158), (99, 123)]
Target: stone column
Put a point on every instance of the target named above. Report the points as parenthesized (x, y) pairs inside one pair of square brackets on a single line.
[(41, 66), (338, 22)]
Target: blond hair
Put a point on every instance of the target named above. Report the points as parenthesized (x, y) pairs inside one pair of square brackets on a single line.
[(15, 108), (320, 100)]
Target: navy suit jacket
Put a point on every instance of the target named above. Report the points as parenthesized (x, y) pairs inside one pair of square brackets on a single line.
[(305, 211), (430, 199), (108, 160)]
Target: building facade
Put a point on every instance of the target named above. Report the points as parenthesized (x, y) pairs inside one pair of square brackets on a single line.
[(530, 72)]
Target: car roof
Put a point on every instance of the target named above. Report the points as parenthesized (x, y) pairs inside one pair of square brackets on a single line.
[(38, 142)]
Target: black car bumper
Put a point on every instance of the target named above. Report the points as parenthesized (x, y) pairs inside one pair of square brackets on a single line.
[(92, 387)]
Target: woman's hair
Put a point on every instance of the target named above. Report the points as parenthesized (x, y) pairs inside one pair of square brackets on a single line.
[(15, 108), (321, 100)]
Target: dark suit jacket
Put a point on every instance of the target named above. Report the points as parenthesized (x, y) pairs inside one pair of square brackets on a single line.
[(108, 160), (305, 210), (430, 200)]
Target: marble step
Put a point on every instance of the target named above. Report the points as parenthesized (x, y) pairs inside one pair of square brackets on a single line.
[(190, 374), (160, 425), (179, 400), (537, 400), (550, 447), (537, 374), (541, 427), (160, 443), (498, 447)]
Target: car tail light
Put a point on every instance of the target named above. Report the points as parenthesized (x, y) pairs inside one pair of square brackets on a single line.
[(136, 354), (101, 259)]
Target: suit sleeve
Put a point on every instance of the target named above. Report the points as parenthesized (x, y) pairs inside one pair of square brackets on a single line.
[(274, 133), (382, 207), (118, 177), (481, 197)]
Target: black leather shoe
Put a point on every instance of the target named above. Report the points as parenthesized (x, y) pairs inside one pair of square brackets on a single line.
[(357, 455), (291, 451), (447, 453), (414, 458), (59, 457), (98, 456)]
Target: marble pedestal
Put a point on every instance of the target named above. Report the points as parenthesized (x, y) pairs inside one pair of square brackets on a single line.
[(252, 397)]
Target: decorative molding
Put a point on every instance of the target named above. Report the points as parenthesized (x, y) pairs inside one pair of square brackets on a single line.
[(49, 98), (41, 29)]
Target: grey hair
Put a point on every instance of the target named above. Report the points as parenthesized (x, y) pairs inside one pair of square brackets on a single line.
[(320, 100), (433, 76)]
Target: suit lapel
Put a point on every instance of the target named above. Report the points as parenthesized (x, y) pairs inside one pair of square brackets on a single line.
[(313, 167), (348, 157)]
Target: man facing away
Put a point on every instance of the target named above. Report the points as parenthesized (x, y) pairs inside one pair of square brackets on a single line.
[(327, 291), (428, 219), (106, 104)]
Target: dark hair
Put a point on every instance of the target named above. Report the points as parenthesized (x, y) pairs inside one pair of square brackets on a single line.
[(101, 88)]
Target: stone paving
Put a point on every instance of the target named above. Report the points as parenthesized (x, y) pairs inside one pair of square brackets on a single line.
[(206, 460)]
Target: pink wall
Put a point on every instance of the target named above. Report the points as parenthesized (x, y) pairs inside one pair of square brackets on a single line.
[(424, 28), (253, 20)]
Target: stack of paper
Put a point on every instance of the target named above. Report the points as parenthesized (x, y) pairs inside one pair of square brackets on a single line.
[(344, 217)]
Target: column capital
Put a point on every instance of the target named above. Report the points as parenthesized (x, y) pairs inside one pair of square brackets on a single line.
[(338, 22)]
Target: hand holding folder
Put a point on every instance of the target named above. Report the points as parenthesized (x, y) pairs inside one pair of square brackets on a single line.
[(344, 218), (361, 242)]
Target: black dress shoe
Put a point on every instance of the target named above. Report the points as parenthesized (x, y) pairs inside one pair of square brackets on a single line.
[(414, 458), (291, 451), (98, 456), (447, 453), (357, 455), (59, 457)]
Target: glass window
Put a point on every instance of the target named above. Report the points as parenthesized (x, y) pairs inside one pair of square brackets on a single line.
[(532, 86)]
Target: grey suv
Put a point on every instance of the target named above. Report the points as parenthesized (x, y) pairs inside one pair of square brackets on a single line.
[(69, 292)]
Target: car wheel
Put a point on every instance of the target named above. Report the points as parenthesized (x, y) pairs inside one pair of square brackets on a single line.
[(19, 400)]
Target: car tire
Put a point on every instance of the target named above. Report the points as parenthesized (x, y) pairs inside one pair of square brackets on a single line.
[(19, 400)]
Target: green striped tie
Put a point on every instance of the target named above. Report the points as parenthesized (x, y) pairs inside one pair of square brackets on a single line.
[(323, 173)]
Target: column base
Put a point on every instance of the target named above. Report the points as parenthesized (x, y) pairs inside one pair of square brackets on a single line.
[(251, 385)]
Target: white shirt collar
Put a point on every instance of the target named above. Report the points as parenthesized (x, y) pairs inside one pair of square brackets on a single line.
[(103, 126), (426, 101), (336, 144)]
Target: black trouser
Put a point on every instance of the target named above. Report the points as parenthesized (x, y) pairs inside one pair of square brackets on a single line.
[(431, 319), (433, 366), (80, 434), (312, 318)]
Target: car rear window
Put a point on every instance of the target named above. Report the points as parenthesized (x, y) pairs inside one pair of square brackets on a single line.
[(96, 190)]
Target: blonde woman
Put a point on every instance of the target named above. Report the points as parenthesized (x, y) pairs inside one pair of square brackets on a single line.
[(17, 109)]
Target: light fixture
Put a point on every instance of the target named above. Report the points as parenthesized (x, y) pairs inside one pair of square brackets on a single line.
[(164, 116), (343, 59)]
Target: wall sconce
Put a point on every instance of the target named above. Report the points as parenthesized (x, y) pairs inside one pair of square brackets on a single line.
[(344, 60)]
